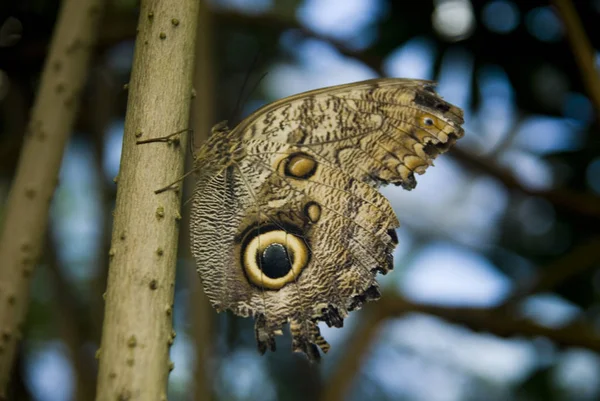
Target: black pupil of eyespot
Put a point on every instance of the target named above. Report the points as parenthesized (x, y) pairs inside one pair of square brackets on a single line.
[(275, 261)]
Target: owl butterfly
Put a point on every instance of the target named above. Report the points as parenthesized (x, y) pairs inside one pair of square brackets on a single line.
[(287, 225)]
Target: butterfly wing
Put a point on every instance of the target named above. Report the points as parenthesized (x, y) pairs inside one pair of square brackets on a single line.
[(287, 224)]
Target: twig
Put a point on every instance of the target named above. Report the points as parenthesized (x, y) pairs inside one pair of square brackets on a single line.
[(358, 345), (582, 258), (497, 322), (583, 50), (489, 320), (572, 202)]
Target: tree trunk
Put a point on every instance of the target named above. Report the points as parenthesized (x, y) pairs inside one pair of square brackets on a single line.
[(51, 121), (203, 315), (137, 331)]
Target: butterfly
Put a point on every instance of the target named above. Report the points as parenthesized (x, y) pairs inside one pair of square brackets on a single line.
[(287, 225)]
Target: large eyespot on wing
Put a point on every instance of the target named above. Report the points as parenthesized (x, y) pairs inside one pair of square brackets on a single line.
[(343, 225), (301, 183), (271, 257)]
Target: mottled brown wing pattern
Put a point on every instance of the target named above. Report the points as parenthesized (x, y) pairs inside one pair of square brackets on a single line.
[(287, 225)]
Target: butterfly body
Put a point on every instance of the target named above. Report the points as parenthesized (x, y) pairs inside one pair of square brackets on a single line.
[(287, 223)]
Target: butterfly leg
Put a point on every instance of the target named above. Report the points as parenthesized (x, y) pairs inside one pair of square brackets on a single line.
[(172, 185), (170, 139)]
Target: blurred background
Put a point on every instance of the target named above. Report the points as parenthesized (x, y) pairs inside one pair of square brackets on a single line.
[(496, 289)]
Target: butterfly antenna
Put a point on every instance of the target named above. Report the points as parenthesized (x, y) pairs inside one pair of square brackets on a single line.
[(192, 145), (256, 85), (241, 100)]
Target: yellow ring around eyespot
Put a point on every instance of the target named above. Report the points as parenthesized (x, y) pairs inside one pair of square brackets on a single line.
[(297, 251)]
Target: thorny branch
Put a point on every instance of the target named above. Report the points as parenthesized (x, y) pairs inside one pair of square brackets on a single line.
[(137, 330)]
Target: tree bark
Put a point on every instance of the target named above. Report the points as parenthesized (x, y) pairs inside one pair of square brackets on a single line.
[(137, 330), (51, 121)]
